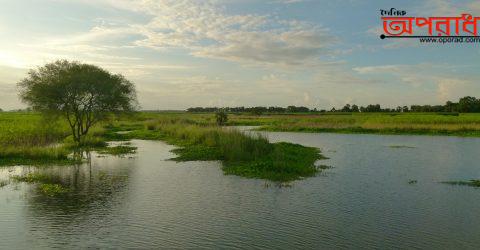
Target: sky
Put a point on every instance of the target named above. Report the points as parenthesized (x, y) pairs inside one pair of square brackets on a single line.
[(180, 54)]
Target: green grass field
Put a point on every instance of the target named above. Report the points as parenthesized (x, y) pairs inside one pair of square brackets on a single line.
[(368, 123)]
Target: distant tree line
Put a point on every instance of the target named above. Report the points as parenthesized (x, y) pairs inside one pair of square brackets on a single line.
[(254, 110), (466, 104)]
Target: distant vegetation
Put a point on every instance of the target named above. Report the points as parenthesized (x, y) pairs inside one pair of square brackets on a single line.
[(466, 104), (221, 116), (471, 183), (366, 123)]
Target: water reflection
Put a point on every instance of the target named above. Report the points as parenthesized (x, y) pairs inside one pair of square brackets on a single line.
[(150, 202)]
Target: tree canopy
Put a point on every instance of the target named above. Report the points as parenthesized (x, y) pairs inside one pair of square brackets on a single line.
[(82, 93)]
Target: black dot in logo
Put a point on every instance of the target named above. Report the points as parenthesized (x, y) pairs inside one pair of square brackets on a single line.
[(382, 36)]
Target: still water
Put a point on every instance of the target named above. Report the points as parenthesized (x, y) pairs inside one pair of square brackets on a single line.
[(364, 201)]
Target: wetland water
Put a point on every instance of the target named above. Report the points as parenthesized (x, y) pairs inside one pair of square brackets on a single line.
[(364, 201)]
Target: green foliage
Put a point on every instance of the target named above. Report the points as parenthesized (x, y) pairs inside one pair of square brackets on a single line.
[(47, 184), (467, 104), (10, 156), (221, 117), (285, 162), (30, 129), (241, 154), (471, 183), (52, 189), (3, 183), (117, 150), (368, 123), (33, 178), (83, 94)]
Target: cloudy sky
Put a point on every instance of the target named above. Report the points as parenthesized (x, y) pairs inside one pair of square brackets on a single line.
[(316, 53)]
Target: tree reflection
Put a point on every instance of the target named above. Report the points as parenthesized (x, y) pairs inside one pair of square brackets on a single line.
[(94, 185)]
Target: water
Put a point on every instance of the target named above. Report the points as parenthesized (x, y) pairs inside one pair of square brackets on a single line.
[(364, 201)]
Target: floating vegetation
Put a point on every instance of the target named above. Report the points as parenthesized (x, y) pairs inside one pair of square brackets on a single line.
[(46, 184), (324, 167), (52, 189), (4, 183), (411, 182), (471, 183), (251, 156), (117, 150), (33, 178), (400, 146)]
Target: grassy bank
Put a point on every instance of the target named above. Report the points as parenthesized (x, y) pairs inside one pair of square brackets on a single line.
[(243, 155), (29, 139), (26, 138), (368, 123)]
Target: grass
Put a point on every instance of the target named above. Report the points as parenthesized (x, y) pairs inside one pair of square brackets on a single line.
[(196, 136), (29, 139), (471, 183), (241, 154), (46, 184), (367, 123), (52, 189), (117, 150), (33, 178), (400, 146), (24, 155), (3, 183), (26, 139)]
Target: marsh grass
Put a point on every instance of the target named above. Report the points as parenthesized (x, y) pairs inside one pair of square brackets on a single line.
[(250, 156), (400, 146), (37, 155), (368, 123), (471, 183), (30, 139), (3, 183), (48, 185), (34, 178), (52, 189), (117, 150)]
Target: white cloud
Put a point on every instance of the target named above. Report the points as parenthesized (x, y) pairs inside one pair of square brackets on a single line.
[(203, 28), (452, 89)]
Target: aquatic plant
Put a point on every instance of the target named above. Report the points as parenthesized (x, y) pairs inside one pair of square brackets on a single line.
[(400, 146), (3, 183), (52, 189), (117, 150), (471, 183), (33, 178), (244, 155)]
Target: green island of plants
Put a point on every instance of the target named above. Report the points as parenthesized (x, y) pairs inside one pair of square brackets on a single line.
[(245, 155), (471, 183)]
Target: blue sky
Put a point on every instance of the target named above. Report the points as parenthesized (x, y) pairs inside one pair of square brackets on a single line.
[(180, 54)]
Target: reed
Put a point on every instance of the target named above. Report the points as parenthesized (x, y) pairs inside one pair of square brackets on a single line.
[(244, 155)]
